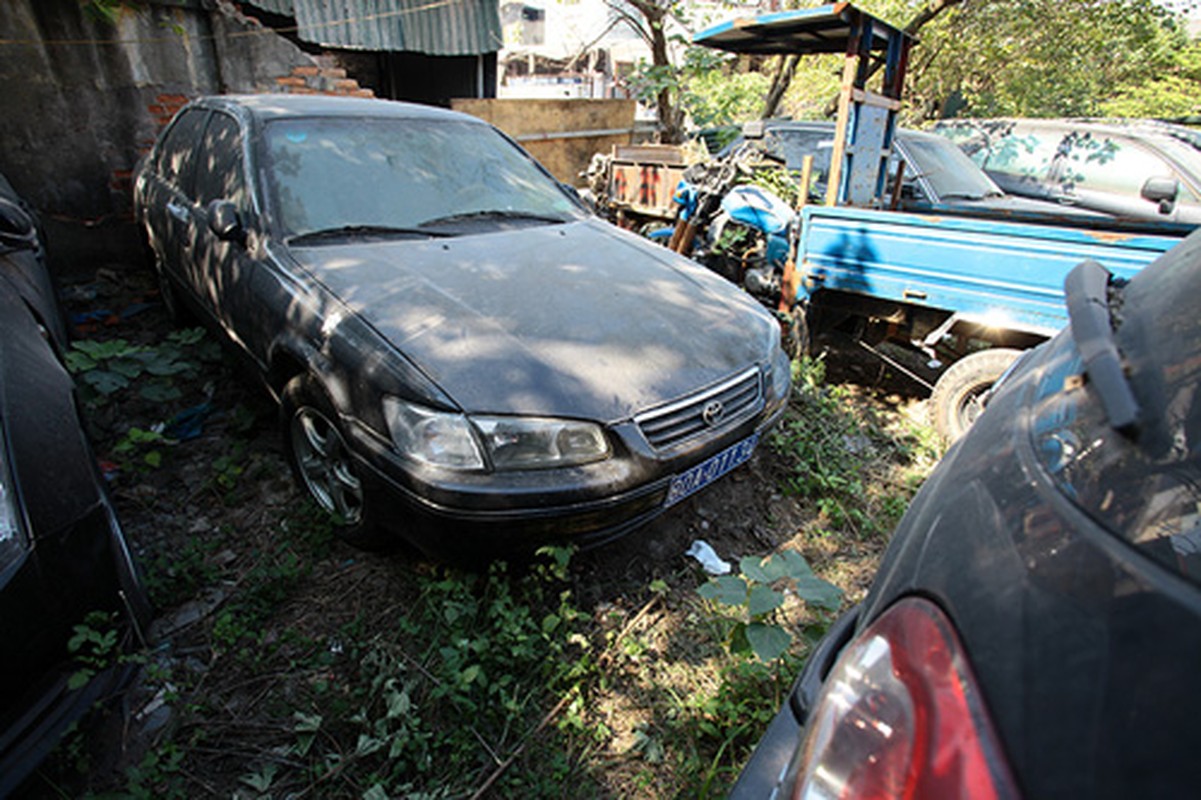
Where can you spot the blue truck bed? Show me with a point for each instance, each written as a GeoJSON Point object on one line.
{"type": "Point", "coordinates": [1005, 274]}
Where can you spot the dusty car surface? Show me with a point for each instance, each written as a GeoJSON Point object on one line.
{"type": "Point", "coordinates": [462, 353]}
{"type": "Point", "coordinates": [63, 556]}
{"type": "Point", "coordinates": [1137, 169]}
{"type": "Point", "coordinates": [1035, 625]}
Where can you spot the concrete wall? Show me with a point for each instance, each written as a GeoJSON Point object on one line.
{"type": "Point", "coordinates": [562, 134]}
{"type": "Point", "coordinates": [84, 98]}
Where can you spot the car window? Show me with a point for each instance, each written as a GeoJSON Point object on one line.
{"type": "Point", "coordinates": [219, 174]}
{"type": "Point", "coordinates": [1110, 164]}
{"type": "Point", "coordinates": [1026, 154]}
{"type": "Point", "coordinates": [1145, 487]}
{"type": "Point", "coordinates": [793, 145]}
{"type": "Point", "coordinates": [177, 157]}
{"type": "Point", "coordinates": [947, 168]}
{"type": "Point", "coordinates": [327, 173]}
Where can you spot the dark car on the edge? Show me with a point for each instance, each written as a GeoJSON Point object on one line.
{"type": "Point", "coordinates": [1035, 625]}
{"type": "Point", "coordinates": [63, 557]}
{"type": "Point", "coordinates": [464, 355]}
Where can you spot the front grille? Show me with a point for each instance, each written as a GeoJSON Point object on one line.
{"type": "Point", "coordinates": [669, 425]}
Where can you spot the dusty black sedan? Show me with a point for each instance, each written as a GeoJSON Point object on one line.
{"type": "Point", "coordinates": [64, 561]}
{"type": "Point", "coordinates": [462, 353]}
{"type": "Point", "coordinates": [1035, 626]}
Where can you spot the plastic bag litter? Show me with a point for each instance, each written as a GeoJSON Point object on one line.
{"type": "Point", "coordinates": [704, 553]}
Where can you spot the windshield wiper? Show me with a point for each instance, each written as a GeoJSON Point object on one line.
{"type": "Point", "coordinates": [1087, 289]}
{"type": "Point", "coordinates": [346, 231]}
{"type": "Point", "coordinates": [498, 213]}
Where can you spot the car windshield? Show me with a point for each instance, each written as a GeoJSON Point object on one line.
{"type": "Point", "coordinates": [1143, 485]}
{"type": "Point", "coordinates": [378, 175]}
{"type": "Point", "coordinates": [948, 169]}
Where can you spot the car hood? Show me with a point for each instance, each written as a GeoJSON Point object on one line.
{"type": "Point", "coordinates": [578, 320]}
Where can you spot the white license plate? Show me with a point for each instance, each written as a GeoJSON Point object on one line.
{"type": "Point", "coordinates": [710, 470]}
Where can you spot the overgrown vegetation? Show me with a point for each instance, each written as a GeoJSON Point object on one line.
{"type": "Point", "coordinates": [289, 665]}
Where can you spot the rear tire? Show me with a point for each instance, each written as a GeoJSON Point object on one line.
{"type": "Point", "coordinates": [323, 465]}
{"type": "Point", "coordinates": [959, 395]}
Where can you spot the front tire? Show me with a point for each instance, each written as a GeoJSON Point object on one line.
{"type": "Point", "coordinates": [959, 395]}
{"type": "Point", "coordinates": [323, 465]}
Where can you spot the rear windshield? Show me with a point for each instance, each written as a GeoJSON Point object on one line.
{"type": "Point", "coordinates": [1144, 487]}
{"type": "Point", "coordinates": [327, 173]}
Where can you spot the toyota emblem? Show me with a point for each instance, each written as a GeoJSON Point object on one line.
{"type": "Point", "coordinates": [713, 413]}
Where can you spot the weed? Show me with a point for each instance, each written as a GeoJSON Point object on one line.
{"type": "Point", "coordinates": [840, 457]}
{"type": "Point", "coordinates": [755, 600]}
{"type": "Point", "coordinates": [105, 368]}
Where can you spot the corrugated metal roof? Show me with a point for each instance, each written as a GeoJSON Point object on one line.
{"type": "Point", "coordinates": [433, 27]}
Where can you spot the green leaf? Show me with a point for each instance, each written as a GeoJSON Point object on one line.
{"type": "Point", "coordinates": [768, 641]}
{"type": "Point", "coordinates": [126, 368]}
{"type": "Point", "coordinates": [794, 565]}
{"type": "Point", "coordinates": [740, 645]}
{"type": "Point", "coordinates": [729, 590]}
{"type": "Point", "coordinates": [154, 459]}
{"type": "Point", "coordinates": [763, 600]}
{"type": "Point", "coordinates": [818, 592]}
{"type": "Point", "coordinates": [399, 704]}
{"type": "Point", "coordinates": [80, 679]}
{"type": "Point", "coordinates": [159, 392]}
{"type": "Point", "coordinates": [306, 723]}
{"type": "Point", "coordinates": [367, 745]}
{"type": "Point", "coordinates": [376, 792]}
{"type": "Point", "coordinates": [104, 381]}
{"type": "Point", "coordinates": [469, 675]}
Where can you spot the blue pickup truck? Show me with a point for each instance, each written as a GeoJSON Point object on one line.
{"type": "Point", "coordinates": [970, 292]}
{"type": "Point", "coordinates": [969, 288]}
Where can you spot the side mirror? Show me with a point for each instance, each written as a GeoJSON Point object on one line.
{"type": "Point", "coordinates": [225, 222]}
{"type": "Point", "coordinates": [1161, 190]}
{"type": "Point", "coordinates": [17, 228]}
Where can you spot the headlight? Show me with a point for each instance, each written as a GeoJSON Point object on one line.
{"type": "Point", "coordinates": [523, 443]}
{"type": "Point", "coordinates": [452, 441]}
{"type": "Point", "coordinates": [781, 374]}
{"type": "Point", "coordinates": [433, 437]}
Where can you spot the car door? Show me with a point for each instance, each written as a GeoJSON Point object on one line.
{"type": "Point", "coordinates": [221, 269]}
{"type": "Point", "coordinates": [169, 192]}
{"type": "Point", "coordinates": [1107, 173]}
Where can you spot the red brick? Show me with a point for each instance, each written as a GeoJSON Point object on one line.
{"type": "Point", "coordinates": [308, 72]}
{"type": "Point", "coordinates": [345, 85]}
{"type": "Point", "coordinates": [333, 72]}
{"type": "Point", "coordinates": [173, 99]}
{"type": "Point", "coordinates": [363, 93]}
{"type": "Point", "coordinates": [290, 80]}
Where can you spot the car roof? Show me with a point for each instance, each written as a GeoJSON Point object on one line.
{"type": "Point", "coordinates": [828, 125]}
{"type": "Point", "coordinates": [1147, 129]}
{"type": "Point", "coordinates": [267, 107]}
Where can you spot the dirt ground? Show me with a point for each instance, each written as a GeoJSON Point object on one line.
{"type": "Point", "coordinates": [226, 482]}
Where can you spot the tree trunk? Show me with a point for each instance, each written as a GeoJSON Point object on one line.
{"type": "Point", "coordinates": [779, 85]}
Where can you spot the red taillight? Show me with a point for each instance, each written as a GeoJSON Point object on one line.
{"type": "Point", "coordinates": [900, 717]}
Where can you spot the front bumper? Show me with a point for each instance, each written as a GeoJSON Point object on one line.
{"type": "Point", "coordinates": [454, 516]}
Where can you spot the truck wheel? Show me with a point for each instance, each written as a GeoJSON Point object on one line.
{"type": "Point", "coordinates": [322, 463]}
{"type": "Point", "coordinates": [958, 396]}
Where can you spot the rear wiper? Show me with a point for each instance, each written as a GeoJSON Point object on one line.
{"type": "Point", "coordinates": [1087, 288]}
{"type": "Point", "coordinates": [491, 214]}
{"type": "Point", "coordinates": [345, 231]}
